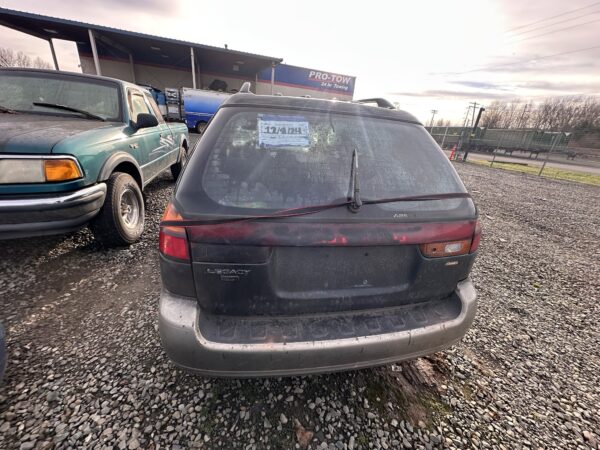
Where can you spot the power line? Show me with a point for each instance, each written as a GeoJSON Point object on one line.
{"type": "Point", "coordinates": [555, 23]}
{"type": "Point", "coordinates": [539, 35]}
{"type": "Point", "coordinates": [556, 31]}
{"type": "Point", "coordinates": [552, 17]}
{"type": "Point", "coordinates": [521, 61]}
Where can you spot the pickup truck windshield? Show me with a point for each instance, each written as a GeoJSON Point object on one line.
{"type": "Point", "coordinates": [20, 92]}
{"type": "Point", "coordinates": [290, 159]}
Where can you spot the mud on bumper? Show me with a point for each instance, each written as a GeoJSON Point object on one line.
{"type": "Point", "coordinates": [278, 346]}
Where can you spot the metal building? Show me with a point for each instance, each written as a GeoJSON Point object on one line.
{"type": "Point", "coordinates": [142, 58]}
{"type": "Point", "coordinates": [163, 62]}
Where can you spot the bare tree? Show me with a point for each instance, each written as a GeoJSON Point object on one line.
{"type": "Point", "coordinates": [40, 63]}
{"type": "Point", "coordinates": [492, 117]}
{"type": "Point", "coordinates": [551, 114]}
{"type": "Point", "coordinates": [8, 58]}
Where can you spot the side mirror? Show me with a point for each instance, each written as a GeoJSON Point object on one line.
{"type": "Point", "coordinates": [145, 120]}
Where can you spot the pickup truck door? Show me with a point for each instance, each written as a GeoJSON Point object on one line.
{"type": "Point", "coordinates": [169, 152]}
{"type": "Point", "coordinates": [155, 146]}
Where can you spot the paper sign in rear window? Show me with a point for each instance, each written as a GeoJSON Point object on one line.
{"type": "Point", "coordinates": [282, 131]}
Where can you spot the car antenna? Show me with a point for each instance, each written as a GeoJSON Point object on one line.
{"type": "Point", "coordinates": [355, 201]}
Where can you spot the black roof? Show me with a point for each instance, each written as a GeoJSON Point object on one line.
{"type": "Point", "coordinates": [320, 105]}
{"type": "Point", "coordinates": [144, 47]}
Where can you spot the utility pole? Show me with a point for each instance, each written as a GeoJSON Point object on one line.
{"type": "Point", "coordinates": [475, 104]}
{"type": "Point", "coordinates": [462, 131]}
{"type": "Point", "coordinates": [467, 116]}
{"type": "Point", "coordinates": [474, 130]}
{"type": "Point", "coordinates": [433, 113]}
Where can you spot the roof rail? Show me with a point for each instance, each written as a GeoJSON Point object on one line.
{"type": "Point", "coordinates": [245, 89]}
{"type": "Point", "coordinates": [381, 102]}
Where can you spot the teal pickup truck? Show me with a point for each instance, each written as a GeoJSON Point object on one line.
{"type": "Point", "coordinates": [79, 149]}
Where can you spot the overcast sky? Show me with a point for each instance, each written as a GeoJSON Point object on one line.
{"type": "Point", "coordinates": [430, 54]}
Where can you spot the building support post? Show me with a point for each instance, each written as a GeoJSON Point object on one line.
{"type": "Point", "coordinates": [94, 52]}
{"type": "Point", "coordinates": [131, 67]}
{"type": "Point", "coordinates": [272, 78]}
{"type": "Point", "coordinates": [53, 54]}
{"type": "Point", "coordinates": [192, 58]}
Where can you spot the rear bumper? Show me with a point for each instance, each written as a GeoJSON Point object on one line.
{"type": "Point", "coordinates": [185, 333]}
{"type": "Point", "coordinates": [37, 215]}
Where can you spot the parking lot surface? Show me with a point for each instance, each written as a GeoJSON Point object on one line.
{"type": "Point", "coordinates": [86, 368]}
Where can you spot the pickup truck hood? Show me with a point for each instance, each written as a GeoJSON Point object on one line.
{"type": "Point", "coordinates": [31, 133]}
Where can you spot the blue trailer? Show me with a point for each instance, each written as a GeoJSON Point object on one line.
{"type": "Point", "coordinates": [198, 106]}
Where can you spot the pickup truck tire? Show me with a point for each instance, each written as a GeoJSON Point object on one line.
{"type": "Point", "coordinates": [120, 222]}
{"type": "Point", "coordinates": [179, 165]}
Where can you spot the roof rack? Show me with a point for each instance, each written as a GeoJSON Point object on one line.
{"type": "Point", "coordinates": [381, 102]}
{"type": "Point", "coordinates": [245, 89]}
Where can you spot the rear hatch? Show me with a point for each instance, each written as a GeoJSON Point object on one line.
{"type": "Point", "coordinates": [255, 162]}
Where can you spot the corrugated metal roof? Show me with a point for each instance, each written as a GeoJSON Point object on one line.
{"type": "Point", "coordinates": [47, 27]}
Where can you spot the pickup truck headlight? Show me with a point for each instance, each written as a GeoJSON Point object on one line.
{"type": "Point", "coordinates": [33, 170]}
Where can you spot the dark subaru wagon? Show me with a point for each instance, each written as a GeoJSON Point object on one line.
{"type": "Point", "coordinates": [309, 236]}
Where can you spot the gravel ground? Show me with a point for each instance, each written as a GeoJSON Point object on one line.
{"type": "Point", "coordinates": [86, 368]}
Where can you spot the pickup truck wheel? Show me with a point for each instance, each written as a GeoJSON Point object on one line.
{"type": "Point", "coordinates": [179, 165]}
{"type": "Point", "coordinates": [121, 220]}
{"type": "Point", "coordinates": [200, 127]}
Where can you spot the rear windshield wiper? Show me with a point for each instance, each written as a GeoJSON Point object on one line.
{"type": "Point", "coordinates": [355, 201]}
{"type": "Point", "coordinates": [4, 109]}
{"type": "Point", "coordinates": [313, 209]}
{"type": "Point", "coordinates": [70, 108]}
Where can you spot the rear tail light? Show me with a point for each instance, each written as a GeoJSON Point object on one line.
{"type": "Point", "coordinates": [282, 233]}
{"type": "Point", "coordinates": [436, 240]}
{"type": "Point", "coordinates": [172, 240]}
{"type": "Point", "coordinates": [476, 237]}
{"type": "Point", "coordinates": [453, 248]}
{"type": "Point", "coordinates": [442, 249]}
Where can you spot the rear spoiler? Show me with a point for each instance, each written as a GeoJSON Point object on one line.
{"type": "Point", "coordinates": [380, 102]}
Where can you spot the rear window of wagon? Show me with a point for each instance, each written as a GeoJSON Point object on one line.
{"type": "Point", "coordinates": [277, 159]}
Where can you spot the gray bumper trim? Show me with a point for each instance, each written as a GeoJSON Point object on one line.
{"type": "Point", "coordinates": [188, 348]}
{"type": "Point", "coordinates": [50, 201]}
{"type": "Point", "coordinates": [50, 213]}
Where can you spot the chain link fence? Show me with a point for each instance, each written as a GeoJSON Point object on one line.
{"type": "Point", "coordinates": [581, 145]}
